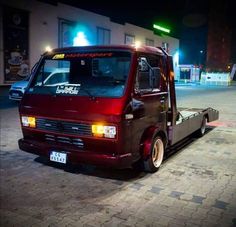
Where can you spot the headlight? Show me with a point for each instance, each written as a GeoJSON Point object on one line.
{"type": "Point", "coordinates": [104, 131]}
{"type": "Point", "coordinates": [28, 121]}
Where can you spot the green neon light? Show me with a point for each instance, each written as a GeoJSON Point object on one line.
{"type": "Point", "coordinates": [158, 27]}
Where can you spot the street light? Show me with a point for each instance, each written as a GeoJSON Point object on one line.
{"type": "Point", "coordinates": [200, 58]}
{"type": "Point", "coordinates": [80, 39]}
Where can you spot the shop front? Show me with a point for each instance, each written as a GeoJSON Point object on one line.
{"type": "Point", "coordinates": [189, 73]}
{"type": "Point", "coordinates": [16, 44]}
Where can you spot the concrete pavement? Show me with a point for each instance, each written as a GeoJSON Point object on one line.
{"type": "Point", "coordinates": [195, 186]}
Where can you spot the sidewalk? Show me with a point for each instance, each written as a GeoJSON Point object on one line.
{"type": "Point", "coordinates": [186, 84]}
{"type": "Point", "coordinates": [233, 83]}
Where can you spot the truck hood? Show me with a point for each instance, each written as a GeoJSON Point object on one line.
{"type": "Point", "coordinates": [79, 108]}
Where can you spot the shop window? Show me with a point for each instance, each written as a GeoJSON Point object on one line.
{"type": "Point", "coordinates": [16, 44]}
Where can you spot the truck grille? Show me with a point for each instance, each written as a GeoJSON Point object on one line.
{"type": "Point", "coordinates": [63, 127]}
{"type": "Point", "coordinates": [62, 139]}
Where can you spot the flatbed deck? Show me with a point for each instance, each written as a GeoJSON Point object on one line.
{"type": "Point", "coordinates": [189, 121]}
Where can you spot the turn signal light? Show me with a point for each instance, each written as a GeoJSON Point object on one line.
{"type": "Point", "coordinates": [104, 131]}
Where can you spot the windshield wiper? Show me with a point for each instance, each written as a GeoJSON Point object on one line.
{"type": "Point", "coordinates": [118, 82]}
{"type": "Point", "coordinates": [91, 96]}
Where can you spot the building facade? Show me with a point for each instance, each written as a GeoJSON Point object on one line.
{"type": "Point", "coordinates": [29, 28]}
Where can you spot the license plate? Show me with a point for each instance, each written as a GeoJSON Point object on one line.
{"type": "Point", "coordinates": [15, 94]}
{"type": "Point", "coordinates": [58, 157]}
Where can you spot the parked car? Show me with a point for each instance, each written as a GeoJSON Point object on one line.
{"type": "Point", "coordinates": [53, 77]}
{"type": "Point", "coordinates": [17, 89]}
{"type": "Point", "coordinates": [57, 77]}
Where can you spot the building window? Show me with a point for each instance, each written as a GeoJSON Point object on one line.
{"type": "Point", "coordinates": [66, 29]}
{"type": "Point", "coordinates": [129, 39]}
{"type": "Point", "coordinates": [149, 42]}
{"type": "Point", "coordinates": [103, 36]}
{"type": "Point", "coordinates": [165, 46]}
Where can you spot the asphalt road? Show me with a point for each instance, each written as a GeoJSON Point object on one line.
{"type": "Point", "coordinates": [195, 186]}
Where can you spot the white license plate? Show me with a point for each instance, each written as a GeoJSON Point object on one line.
{"type": "Point", "coordinates": [58, 157]}
{"type": "Point", "coordinates": [15, 94]}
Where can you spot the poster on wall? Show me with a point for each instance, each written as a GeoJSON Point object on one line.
{"type": "Point", "coordinates": [16, 44]}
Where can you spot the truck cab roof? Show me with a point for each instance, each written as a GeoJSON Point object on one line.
{"type": "Point", "coordinates": [132, 48]}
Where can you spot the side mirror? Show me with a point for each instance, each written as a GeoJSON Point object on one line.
{"type": "Point", "coordinates": [143, 65]}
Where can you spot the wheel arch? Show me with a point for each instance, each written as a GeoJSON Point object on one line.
{"type": "Point", "coordinates": [147, 140]}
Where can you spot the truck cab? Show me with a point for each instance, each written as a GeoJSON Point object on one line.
{"type": "Point", "coordinates": [107, 105]}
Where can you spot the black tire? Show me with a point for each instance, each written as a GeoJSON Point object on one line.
{"type": "Point", "coordinates": [201, 131]}
{"type": "Point", "coordinates": [155, 158]}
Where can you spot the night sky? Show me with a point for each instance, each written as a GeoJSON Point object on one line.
{"type": "Point", "coordinates": [173, 13]}
{"type": "Point", "coordinates": [141, 14]}
{"type": "Point", "coordinates": [187, 19]}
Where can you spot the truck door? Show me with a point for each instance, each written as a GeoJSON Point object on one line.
{"type": "Point", "coordinates": [150, 98]}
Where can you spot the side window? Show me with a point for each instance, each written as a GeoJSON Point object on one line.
{"type": "Point", "coordinates": [149, 74]}
{"type": "Point", "coordinates": [143, 77]}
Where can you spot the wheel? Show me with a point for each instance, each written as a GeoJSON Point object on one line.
{"type": "Point", "coordinates": [156, 156]}
{"type": "Point", "coordinates": [201, 131]}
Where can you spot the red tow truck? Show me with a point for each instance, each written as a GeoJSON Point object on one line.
{"type": "Point", "coordinates": [106, 105]}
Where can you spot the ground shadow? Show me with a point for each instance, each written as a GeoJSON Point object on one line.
{"type": "Point", "coordinates": [122, 175]}
{"type": "Point", "coordinates": [5, 102]}
{"type": "Point", "coordinates": [178, 147]}
{"type": "Point", "coordinates": [8, 104]}
{"type": "Point", "coordinates": [128, 174]}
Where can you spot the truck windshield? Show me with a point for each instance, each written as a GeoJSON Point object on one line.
{"type": "Point", "coordinates": [98, 74]}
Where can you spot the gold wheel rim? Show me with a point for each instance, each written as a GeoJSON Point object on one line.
{"type": "Point", "coordinates": [157, 153]}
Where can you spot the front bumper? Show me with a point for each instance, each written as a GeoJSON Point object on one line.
{"type": "Point", "coordinates": [76, 156]}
